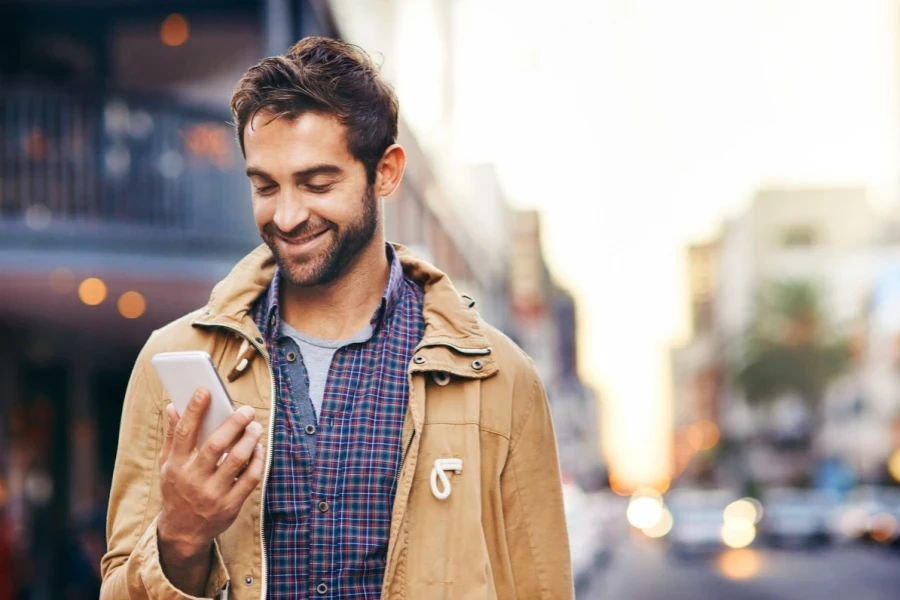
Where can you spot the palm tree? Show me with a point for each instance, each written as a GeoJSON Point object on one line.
{"type": "Point", "coordinates": [790, 347]}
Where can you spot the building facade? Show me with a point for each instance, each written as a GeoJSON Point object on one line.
{"type": "Point", "coordinates": [833, 239]}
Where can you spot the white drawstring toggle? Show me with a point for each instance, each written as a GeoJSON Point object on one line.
{"type": "Point", "coordinates": [438, 472]}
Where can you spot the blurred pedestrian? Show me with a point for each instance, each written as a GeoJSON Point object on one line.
{"type": "Point", "coordinates": [389, 443]}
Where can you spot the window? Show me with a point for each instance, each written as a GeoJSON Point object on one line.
{"type": "Point", "coordinates": [799, 237]}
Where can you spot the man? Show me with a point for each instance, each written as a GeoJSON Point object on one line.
{"type": "Point", "coordinates": [387, 443]}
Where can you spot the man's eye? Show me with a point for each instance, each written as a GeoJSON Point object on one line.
{"type": "Point", "coordinates": [266, 190]}
{"type": "Point", "coordinates": [318, 189]}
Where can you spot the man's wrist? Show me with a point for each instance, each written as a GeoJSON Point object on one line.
{"type": "Point", "coordinates": [186, 564]}
{"type": "Point", "coordinates": [176, 549]}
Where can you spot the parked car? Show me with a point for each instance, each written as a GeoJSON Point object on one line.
{"type": "Point", "coordinates": [795, 518]}
{"type": "Point", "coordinates": [871, 512]}
{"type": "Point", "coordinates": [697, 520]}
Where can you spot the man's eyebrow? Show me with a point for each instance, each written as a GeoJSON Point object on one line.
{"type": "Point", "coordinates": [321, 169]}
{"type": "Point", "coordinates": [302, 175]}
{"type": "Point", "coordinates": [254, 172]}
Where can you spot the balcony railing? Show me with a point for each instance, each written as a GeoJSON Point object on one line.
{"type": "Point", "coordinates": [117, 170]}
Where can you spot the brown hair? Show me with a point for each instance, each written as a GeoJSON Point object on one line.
{"type": "Point", "coordinates": [329, 76]}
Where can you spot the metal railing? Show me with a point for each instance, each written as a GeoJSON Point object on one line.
{"type": "Point", "coordinates": [116, 167]}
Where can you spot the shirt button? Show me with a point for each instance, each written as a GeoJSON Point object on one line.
{"type": "Point", "coordinates": [311, 429]}
{"type": "Point", "coordinates": [248, 580]}
{"type": "Point", "coordinates": [291, 356]}
{"type": "Point", "coordinates": [323, 507]}
{"type": "Point", "coordinates": [322, 589]}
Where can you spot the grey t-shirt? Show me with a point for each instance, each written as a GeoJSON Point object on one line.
{"type": "Point", "coordinates": [317, 355]}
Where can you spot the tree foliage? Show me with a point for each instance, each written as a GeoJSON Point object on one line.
{"type": "Point", "coordinates": [790, 345]}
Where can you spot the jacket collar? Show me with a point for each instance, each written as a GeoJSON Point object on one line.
{"type": "Point", "coordinates": [450, 322]}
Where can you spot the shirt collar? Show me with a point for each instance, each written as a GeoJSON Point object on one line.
{"type": "Point", "coordinates": [389, 298]}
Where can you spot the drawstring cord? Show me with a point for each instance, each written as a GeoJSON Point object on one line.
{"type": "Point", "coordinates": [438, 472]}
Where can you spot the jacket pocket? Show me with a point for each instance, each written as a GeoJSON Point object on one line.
{"type": "Point", "coordinates": [447, 551]}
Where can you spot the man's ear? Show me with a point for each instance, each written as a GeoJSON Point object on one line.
{"type": "Point", "coordinates": [390, 170]}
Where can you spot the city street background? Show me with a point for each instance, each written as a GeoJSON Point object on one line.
{"type": "Point", "coordinates": [686, 212]}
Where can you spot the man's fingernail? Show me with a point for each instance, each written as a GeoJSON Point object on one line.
{"type": "Point", "coordinates": [198, 393]}
{"type": "Point", "coordinates": [258, 449]}
{"type": "Point", "coordinates": [246, 411]}
{"type": "Point", "coordinates": [255, 427]}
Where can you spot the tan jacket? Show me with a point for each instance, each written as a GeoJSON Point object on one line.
{"type": "Point", "coordinates": [501, 534]}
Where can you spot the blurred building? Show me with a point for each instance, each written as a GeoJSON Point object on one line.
{"type": "Point", "coordinates": [545, 321]}
{"type": "Point", "coordinates": [697, 369]}
{"type": "Point", "coordinates": [834, 239]}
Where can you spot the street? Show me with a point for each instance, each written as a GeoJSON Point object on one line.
{"type": "Point", "coordinates": [641, 571]}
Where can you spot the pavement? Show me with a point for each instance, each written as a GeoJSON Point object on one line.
{"type": "Point", "coordinates": [641, 570]}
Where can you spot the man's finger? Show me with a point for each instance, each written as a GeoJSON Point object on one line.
{"type": "Point", "coordinates": [188, 427]}
{"type": "Point", "coordinates": [172, 416]}
{"type": "Point", "coordinates": [239, 455]}
{"type": "Point", "coordinates": [223, 438]}
{"type": "Point", "coordinates": [250, 478]}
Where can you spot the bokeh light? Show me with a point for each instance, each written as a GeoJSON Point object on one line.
{"type": "Point", "coordinates": [854, 523]}
{"type": "Point", "coordinates": [662, 527]}
{"type": "Point", "coordinates": [894, 465]}
{"type": "Point", "coordinates": [883, 527]}
{"type": "Point", "coordinates": [645, 509]}
{"type": "Point", "coordinates": [740, 565]}
{"type": "Point", "coordinates": [132, 305]}
{"type": "Point", "coordinates": [747, 509]}
{"type": "Point", "coordinates": [702, 435]}
{"type": "Point", "coordinates": [738, 533]}
{"type": "Point", "coordinates": [92, 291]}
{"type": "Point", "coordinates": [175, 30]}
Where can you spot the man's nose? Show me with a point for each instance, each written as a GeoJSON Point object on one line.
{"type": "Point", "coordinates": [291, 211]}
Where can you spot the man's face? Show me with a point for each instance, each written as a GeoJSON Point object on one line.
{"type": "Point", "coordinates": [311, 200]}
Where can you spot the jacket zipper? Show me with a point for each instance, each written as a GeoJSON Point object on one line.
{"type": "Point", "coordinates": [403, 459]}
{"type": "Point", "coordinates": [262, 509]}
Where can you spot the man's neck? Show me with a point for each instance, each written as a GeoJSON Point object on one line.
{"type": "Point", "coordinates": [339, 309]}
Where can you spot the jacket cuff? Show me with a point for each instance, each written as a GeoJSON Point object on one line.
{"type": "Point", "coordinates": [158, 585]}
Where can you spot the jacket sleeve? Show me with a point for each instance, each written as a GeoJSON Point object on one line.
{"type": "Point", "coordinates": [533, 509]}
{"type": "Point", "coordinates": [131, 568]}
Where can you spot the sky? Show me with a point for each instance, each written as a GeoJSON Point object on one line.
{"type": "Point", "coordinates": [636, 126]}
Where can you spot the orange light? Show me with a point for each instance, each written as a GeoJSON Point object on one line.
{"type": "Point", "coordinates": [662, 486]}
{"type": "Point", "coordinates": [894, 465]}
{"type": "Point", "coordinates": [175, 30]}
{"type": "Point", "coordinates": [883, 527]}
{"type": "Point", "coordinates": [132, 305]}
{"type": "Point", "coordinates": [710, 434]}
{"type": "Point", "coordinates": [92, 291]}
{"type": "Point", "coordinates": [618, 486]}
{"type": "Point", "coordinates": [702, 435]}
{"type": "Point", "coordinates": [62, 281]}
{"type": "Point", "coordinates": [740, 565]}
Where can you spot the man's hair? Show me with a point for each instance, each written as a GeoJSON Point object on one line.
{"type": "Point", "coordinates": [328, 76]}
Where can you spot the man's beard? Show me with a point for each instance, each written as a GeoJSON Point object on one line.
{"type": "Point", "coordinates": [330, 262]}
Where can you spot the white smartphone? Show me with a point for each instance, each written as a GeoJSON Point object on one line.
{"type": "Point", "coordinates": [181, 374]}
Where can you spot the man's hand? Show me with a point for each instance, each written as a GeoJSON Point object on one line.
{"type": "Point", "coordinates": [202, 493]}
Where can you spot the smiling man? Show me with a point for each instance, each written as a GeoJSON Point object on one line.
{"type": "Point", "coordinates": [388, 443]}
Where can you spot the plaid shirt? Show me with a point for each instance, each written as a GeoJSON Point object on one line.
{"type": "Point", "coordinates": [328, 520]}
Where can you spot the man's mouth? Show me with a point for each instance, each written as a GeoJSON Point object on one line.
{"type": "Point", "coordinates": [302, 240]}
